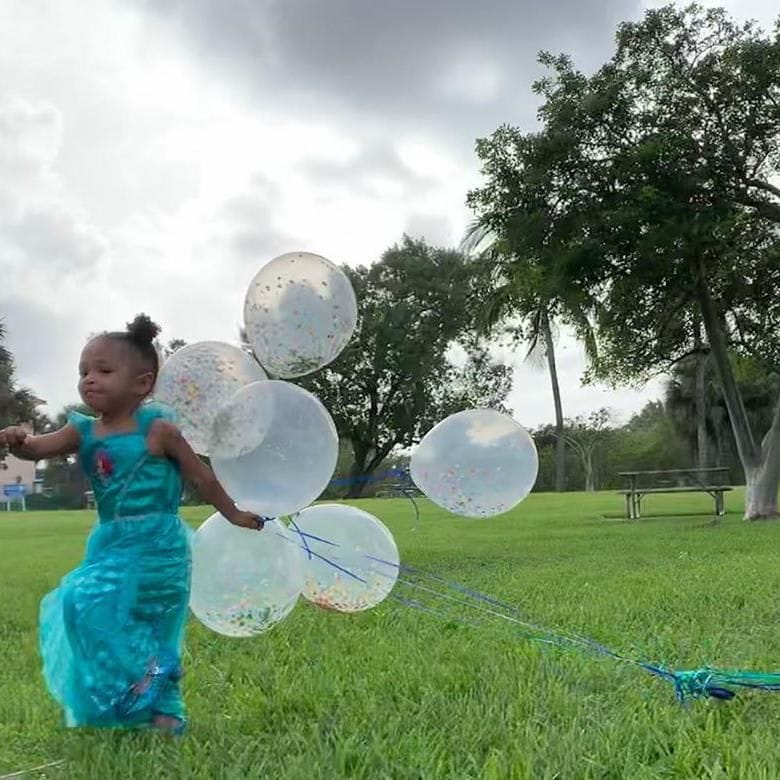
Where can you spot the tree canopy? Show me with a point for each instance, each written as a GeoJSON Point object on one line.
{"type": "Point", "coordinates": [660, 213]}
{"type": "Point", "coordinates": [397, 378]}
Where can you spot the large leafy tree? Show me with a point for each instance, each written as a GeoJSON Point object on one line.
{"type": "Point", "coordinates": [396, 379]}
{"type": "Point", "coordinates": [662, 165]}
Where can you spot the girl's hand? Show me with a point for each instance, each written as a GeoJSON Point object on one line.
{"type": "Point", "coordinates": [247, 520]}
{"type": "Point", "coordinates": [13, 437]}
{"type": "Point", "coordinates": [25, 445]}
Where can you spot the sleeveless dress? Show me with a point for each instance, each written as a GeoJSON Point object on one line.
{"type": "Point", "coordinates": [111, 634]}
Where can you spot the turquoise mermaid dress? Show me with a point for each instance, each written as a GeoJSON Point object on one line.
{"type": "Point", "coordinates": [111, 634]}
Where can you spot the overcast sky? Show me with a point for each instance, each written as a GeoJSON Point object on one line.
{"type": "Point", "coordinates": [154, 154]}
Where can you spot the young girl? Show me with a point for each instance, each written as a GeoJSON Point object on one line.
{"type": "Point", "coordinates": [111, 635]}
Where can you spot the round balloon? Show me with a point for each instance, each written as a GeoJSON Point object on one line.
{"type": "Point", "coordinates": [299, 313]}
{"type": "Point", "coordinates": [197, 380]}
{"type": "Point", "coordinates": [292, 462]}
{"type": "Point", "coordinates": [350, 558]}
{"type": "Point", "coordinates": [476, 463]}
{"type": "Point", "coordinates": [244, 581]}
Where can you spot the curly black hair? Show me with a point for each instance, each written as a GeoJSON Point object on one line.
{"type": "Point", "coordinates": [140, 336]}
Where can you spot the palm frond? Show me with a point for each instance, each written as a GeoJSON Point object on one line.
{"type": "Point", "coordinates": [5, 355]}
{"type": "Point", "coordinates": [536, 356]}
{"type": "Point", "coordinates": [497, 306]}
{"type": "Point", "coordinates": [585, 330]}
{"type": "Point", "coordinates": [539, 321]}
{"type": "Point", "coordinates": [476, 238]}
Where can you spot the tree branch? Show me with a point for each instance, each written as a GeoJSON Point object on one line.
{"type": "Point", "coordinates": [760, 184]}
{"type": "Point", "coordinates": [768, 210]}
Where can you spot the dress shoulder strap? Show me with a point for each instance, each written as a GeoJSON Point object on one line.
{"type": "Point", "coordinates": [149, 412]}
{"type": "Point", "coordinates": [83, 423]}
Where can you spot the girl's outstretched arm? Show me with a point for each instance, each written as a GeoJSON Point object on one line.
{"type": "Point", "coordinates": [24, 445]}
{"type": "Point", "coordinates": [166, 439]}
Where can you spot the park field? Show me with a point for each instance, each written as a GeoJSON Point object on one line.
{"type": "Point", "coordinates": [397, 692]}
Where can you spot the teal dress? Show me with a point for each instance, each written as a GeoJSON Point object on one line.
{"type": "Point", "coordinates": [111, 634]}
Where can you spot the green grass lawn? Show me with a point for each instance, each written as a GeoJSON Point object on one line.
{"type": "Point", "coordinates": [398, 693]}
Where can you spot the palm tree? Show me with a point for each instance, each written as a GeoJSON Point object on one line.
{"type": "Point", "coordinates": [517, 287]}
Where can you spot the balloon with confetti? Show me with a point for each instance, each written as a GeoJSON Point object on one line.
{"type": "Point", "coordinates": [197, 380]}
{"type": "Point", "coordinates": [476, 463]}
{"type": "Point", "coordinates": [244, 582]}
{"type": "Point", "coordinates": [351, 561]}
{"type": "Point", "coordinates": [294, 453]}
{"type": "Point", "coordinates": [299, 313]}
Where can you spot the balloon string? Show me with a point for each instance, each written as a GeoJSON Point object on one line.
{"type": "Point", "coordinates": [509, 612]}
{"type": "Point", "coordinates": [406, 486]}
{"type": "Point", "coordinates": [430, 610]}
{"type": "Point", "coordinates": [511, 609]}
{"type": "Point", "coordinates": [688, 683]}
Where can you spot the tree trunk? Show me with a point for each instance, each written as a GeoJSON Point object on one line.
{"type": "Point", "coordinates": [762, 482]}
{"type": "Point", "coordinates": [367, 461]}
{"type": "Point", "coordinates": [761, 464]}
{"type": "Point", "coordinates": [702, 440]}
{"type": "Point", "coordinates": [587, 462]}
{"type": "Point", "coordinates": [722, 452]}
{"type": "Point", "coordinates": [560, 441]}
{"type": "Point", "coordinates": [761, 492]}
{"type": "Point", "coordinates": [356, 473]}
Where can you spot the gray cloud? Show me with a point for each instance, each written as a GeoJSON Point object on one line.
{"type": "Point", "coordinates": [38, 229]}
{"type": "Point", "coordinates": [53, 237]}
{"type": "Point", "coordinates": [398, 61]}
{"type": "Point", "coordinates": [46, 347]}
{"type": "Point", "coordinates": [249, 222]}
{"type": "Point", "coordinates": [378, 158]}
{"type": "Point", "coordinates": [434, 229]}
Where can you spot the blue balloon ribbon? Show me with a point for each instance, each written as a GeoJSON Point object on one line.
{"type": "Point", "coordinates": [704, 682]}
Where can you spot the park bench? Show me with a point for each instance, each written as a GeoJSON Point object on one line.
{"type": "Point", "coordinates": [693, 480]}
{"type": "Point", "coordinates": [398, 490]}
{"type": "Point", "coordinates": [11, 493]}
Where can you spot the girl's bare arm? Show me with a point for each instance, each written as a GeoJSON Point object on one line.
{"type": "Point", "coordinates": [24, 445]}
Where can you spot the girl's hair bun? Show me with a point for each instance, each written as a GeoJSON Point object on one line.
{"type": "Point", "coordinates": [142, 330]}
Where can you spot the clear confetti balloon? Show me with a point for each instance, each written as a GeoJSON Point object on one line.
{"type": "Point", "coordinates": [476, 463]}
{"type": "Point", "coordinates": [293, 463]}
{"type": "Point", "coordinates": [299, 313]}
{"type": "Point", "coordinates": [356, 568]}
{"type": "Point", "coordinates": [241, 425]}
{"type": "Point", "coordinates": [244, 582]}
{"type": "Point", "coordinates": [197, 380]}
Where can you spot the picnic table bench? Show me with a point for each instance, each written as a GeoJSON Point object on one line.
{"type": "Point", "coordinates": [398, 490]}
{"type": "Point", "coordinates": [693, 480]}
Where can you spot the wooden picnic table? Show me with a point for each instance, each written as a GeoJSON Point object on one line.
{"type": "Point", "coordinates": [705, 480]}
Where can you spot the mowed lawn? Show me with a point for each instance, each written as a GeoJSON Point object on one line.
{"type": "Point", "coordinates": [399, 693]}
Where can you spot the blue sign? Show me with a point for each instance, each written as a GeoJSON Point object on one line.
{"type": "Point", "coordinates": [14, 491]}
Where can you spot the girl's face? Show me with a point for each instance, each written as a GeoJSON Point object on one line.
{"type": "Point", "coordinates": [112, 376]}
